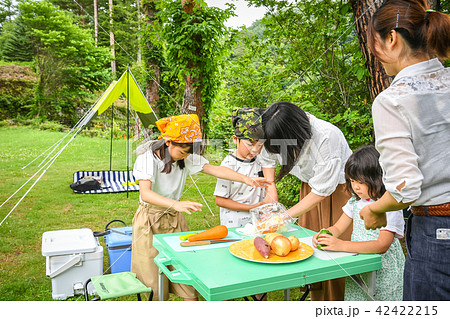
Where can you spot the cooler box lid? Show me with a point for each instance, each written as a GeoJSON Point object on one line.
{"type": "Point", "coordinates": [69, 241]}
{"type": "Point", "coordinates": [119, 237]}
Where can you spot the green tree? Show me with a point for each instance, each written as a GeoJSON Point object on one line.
{"type": "Point", "coordinates": [81, 9]}
{"type": "Point", "coordinates": [152, 52]}
{"type": "Point", "coordinates": [68, 65]}
{"type": "Point", "coordinates": [250, 79]}
{"type": "Point", "coordinates": [317, 62]}
{"type": "Point", "coordinates": [124, 27]}
{"type": "Point", "coordinates": [197, 42]}
{"type": "Point", "coordinates": [15, 45]}
{"type": "Point", "coordinates": [125, 19]}
{"type": "Point", "coordinates": [7, 11]}
{"type": "Point", "coordinates": [305, 52]}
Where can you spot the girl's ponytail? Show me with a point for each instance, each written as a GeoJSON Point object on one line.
{"type": "Point", "coordinates": [438, 33]}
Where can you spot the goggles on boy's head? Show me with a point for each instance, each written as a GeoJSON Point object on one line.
{"type": "Point", "coordinates": [247, 123]}
{"type": "Point", "coordinates": [183, 128]}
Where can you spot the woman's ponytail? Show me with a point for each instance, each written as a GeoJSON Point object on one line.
{"type": "Point", "coordinates": [425, 31]}
{"type": "Point", "coordinates": [438, 33]}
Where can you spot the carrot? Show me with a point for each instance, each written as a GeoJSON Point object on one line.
{"type": "Point", "coordinates": [217, 232]}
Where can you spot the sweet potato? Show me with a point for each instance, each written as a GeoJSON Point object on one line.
{"type": "Point", "coordinates": [262, 247]}
{"type": "Point", "coordinates": [217, 232]}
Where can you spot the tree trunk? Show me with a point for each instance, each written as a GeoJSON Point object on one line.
{"type": "Point", "coordinates": [153, 65]}
{"type": "Point", "coordinates": [111, 40]}
{"type": "Point", "coordinates": [362, 12]}
{"type": "Point", "coordinates": [192, 101]}
{"type": "Point", "coordinates": [96, 21]}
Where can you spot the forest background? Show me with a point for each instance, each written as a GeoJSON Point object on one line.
{"type": "Point", "coordinates": [58, 56]}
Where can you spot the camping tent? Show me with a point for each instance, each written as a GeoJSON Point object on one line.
{"type": "Point", "coordinates": [127, 86]}
{"type": "Point", "coordinates": [118, 181]}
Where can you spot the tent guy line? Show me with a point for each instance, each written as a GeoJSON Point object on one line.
{"type": "Point", "coordinates": [99, 104]}
{"type": "Point", "coordinates": [114, 91]}
{"type": "Point", "coordinates": [54, 146]}
{"type": "Point", "coordinates": [44, 168]}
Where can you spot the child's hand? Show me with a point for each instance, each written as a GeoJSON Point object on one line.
{"type": "Point", "coordinates": [314, 239]}
{"type": "Point", "coordinates": [256, 181]}
{"type": "Point", "coordinates": [331, 242]}
{"type": "Point", "coordinates": [256, 205]}
{"type": "Point", "coordinates": [268, 200]}
{"type": "Point", "coordinates": [187, 206]}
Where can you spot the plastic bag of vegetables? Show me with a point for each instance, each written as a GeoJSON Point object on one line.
{"type": "Point", "coordinates": [271, 218]}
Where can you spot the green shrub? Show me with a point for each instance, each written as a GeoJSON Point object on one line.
{"type": "Point", "coordinates": [13, 106]}
{"type": "Point", "coordinates": [289, 190]}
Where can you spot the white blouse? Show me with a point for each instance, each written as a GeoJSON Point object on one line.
{"type": "Point", "coordinates": [322, 159]}
{"type": "Point", "coordinates": [412, 130]}
{"type": "Point", "coordinates": [148, 167]}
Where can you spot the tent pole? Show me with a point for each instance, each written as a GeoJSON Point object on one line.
{"type": "Point", "coordinates": [128, 127]}
{"type": "Point", "coordinates": [110, 148]}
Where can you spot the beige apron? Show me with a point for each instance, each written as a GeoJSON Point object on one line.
{"type": "Point", "coordinates": [324, 215]}
{"type": "Point", "coordinates": [149, 220]}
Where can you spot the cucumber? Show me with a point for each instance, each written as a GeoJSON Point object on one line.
{"type": "Point", "coordinates": [186, 236]}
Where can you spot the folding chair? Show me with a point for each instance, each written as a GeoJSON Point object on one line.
{"type": "Point", "coordinates": [116, 285]}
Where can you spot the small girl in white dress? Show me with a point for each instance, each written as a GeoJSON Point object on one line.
{"type": "Point", "coordinates": [364, 179]}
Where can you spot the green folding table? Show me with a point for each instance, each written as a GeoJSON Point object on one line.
{"type": "Point", "coordinates": [218, 275]}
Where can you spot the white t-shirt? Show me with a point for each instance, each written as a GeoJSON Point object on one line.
{"type": "Point", "coordinates": [395, 220]}
{"type": "Point", "coordinates": [148, 167]}
{"type": "Point", "coordinates": [239, 192]}
{"type": "Point", "coordinates": [322, 159]}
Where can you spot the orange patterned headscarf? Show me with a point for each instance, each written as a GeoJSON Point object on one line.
{"type": "Point", "coordinates": [183, 128]}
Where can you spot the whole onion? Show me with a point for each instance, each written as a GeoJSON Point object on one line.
{"type": "Point", "coordinates": [295, 243]}
{"type": "Point", "coordinates": [281, 246]}
{"type": "Point", "coordinates": [270, 236]}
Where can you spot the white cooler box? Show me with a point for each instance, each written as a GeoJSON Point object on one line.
{"type": "Point", "coordinates": [72, 257]}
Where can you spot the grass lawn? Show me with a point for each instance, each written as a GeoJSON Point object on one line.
{"type": "Point", "coordinates": [52, 205]}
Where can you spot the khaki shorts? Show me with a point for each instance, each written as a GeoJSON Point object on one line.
{"type": "Point", "coordinates": [147, 221]}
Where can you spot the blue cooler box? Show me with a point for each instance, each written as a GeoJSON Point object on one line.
{"type": "Point", "coordinates": [118, 243]}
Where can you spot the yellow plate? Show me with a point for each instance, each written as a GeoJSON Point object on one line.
{"type": "Point", "coordinates": [245, 249]}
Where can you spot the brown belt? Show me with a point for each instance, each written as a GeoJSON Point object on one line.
{"type": "Point", "coordinates": [432, 210]}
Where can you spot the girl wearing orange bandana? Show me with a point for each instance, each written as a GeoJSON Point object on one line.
{"type": "Point", "coordinates": [162, 167]}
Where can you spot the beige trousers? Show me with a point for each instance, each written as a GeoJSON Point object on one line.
{"type": "Point", "coordinates": [147, 221]}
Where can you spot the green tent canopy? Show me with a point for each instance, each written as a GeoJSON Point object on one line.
{"type": "Point", "coordinates": [127, 86]}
